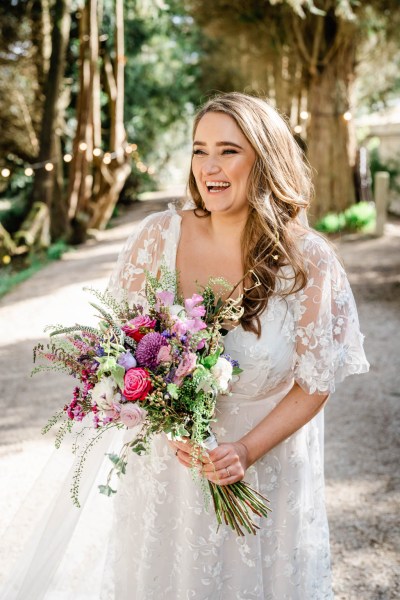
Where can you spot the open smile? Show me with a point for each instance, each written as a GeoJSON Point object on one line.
{"type": "Point", "coordinates": [217, 187]}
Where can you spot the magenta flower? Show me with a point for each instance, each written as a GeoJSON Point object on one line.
{"type": "Point", "coordinates": [134, 328]}
{"type": "Point", "coordinates": [148, 348]}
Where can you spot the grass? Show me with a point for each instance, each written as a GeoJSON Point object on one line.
{"type": "Point", "coordinates": [13, 275]}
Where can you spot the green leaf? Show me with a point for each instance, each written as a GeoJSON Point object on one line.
{"type": "Point", "coordinates": [211, 360]}
{"type": "Point", "coordinates": [118, 374]}
{"type": "Point", "coordinates": [106, 490]}
{"type": "Point", "coordinates": [237, 371]}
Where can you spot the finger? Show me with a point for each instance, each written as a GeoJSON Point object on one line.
{"type": "Point", "coordinates": [226, 461]}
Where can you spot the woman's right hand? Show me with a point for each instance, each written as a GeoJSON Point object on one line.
{"type": "Point", "coordinates": [185, 453]}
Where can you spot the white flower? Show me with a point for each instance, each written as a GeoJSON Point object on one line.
{"type": "Point", "coordinates": [104, 394]}
{"type": "Point", "coordinates": [175, 309]}
{"type": "Point", "coordinates": [222, 371]}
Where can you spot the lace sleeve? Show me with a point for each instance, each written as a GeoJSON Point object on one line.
{"type": "Point", "coordinates": [329, 344]}
{"type": "Point", "coordinates": [142, 251]}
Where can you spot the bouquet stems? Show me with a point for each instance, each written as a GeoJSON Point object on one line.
{"type": "Point", "coordinates": [234, 505]}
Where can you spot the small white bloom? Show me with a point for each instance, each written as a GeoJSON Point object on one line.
{"type": "Point", "coordinates": [222, 371]}
{"type": "Point", "coordinates": [176, 309]}
{"type": "Point", "coordinates": [104, 394]}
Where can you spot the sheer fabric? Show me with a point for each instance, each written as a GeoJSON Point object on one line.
{"type": "Point", "coordinates": [163, 540]}
{"type": "Point", "coordinates": [166, 541]}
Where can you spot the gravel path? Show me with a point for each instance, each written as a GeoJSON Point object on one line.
{"type": "Point", "coordinates": [362, 418]}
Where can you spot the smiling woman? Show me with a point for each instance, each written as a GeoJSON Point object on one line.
{"type": "Point", "coordinates": [298, 336]}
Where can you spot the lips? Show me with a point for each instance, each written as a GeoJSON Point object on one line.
{"type": "Point", "coordinates": [216, 187]}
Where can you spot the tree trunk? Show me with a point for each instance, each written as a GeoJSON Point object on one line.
{"type": "Point", "coordinates": [95, 184]}
{"type": "Point", "coordinates": [328, 140]}
{"type": "Point", "coordinates": [117, 171]}
{"type": "Point", "coordinates": [47, 186]}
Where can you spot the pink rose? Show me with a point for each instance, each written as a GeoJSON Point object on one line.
{"type": "Point", "coordinates": [132, 415]}
{"type": "Point", "coordinates": [137, 384]}
{"type": "Point", "coordinates": [138, 327]}
{"type": "Point", "coordinates": [186, 366]}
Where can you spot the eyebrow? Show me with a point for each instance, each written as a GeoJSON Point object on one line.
{"type": "Point", "coordinates": [196, 143]}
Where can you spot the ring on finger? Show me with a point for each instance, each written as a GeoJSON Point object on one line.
{"type": "Point", "coordinates": [228, 472]}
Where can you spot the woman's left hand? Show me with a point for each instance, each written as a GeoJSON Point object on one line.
{"type": "Point", "coordinates": [226, 464]}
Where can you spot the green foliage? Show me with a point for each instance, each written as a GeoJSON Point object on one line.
{"type": "Point", "coordinates": [391, 166]}
{"type": "Point", "coordinates": [357, 217]}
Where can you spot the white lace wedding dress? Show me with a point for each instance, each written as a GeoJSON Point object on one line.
{"type": "Point", "coordinates": [167, 543]}
{"type": "Point", "coordinates": [163, 542]}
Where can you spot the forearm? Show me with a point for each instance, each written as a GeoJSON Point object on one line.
{"type": "Point", "coordinates": [292, 412]}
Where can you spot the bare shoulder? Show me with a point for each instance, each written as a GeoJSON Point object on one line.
{"type": "Point", "coordinates": [192, 223]}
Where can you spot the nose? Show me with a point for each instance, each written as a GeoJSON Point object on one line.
{"type": "Point", "coordinates": [210, 166]}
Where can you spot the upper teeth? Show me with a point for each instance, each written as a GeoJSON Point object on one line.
{"type": "Point", "coordinates": [218, 183]}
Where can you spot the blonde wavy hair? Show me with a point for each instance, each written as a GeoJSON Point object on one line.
{"type": "Point", "coordinates": [279, 187]}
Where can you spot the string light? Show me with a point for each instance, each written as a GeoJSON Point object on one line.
{"type": "Point", "coordinates": [304, 115]}
{"type": "Point", "coordinates": [298, 129]}
{"type": "Point", "coordinates": [347, 116]}
{"type": "Point", "coordinates": [50, 164]}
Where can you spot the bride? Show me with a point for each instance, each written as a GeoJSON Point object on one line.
{"type": "Point", "coordinates": [299, 336]}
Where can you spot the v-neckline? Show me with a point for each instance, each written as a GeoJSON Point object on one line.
{"type": "Point", "coordinates": [178, 234]}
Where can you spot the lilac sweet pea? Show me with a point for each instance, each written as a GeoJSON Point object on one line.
{"type": "Point", "coordinates": [164, 298]}
{"type": "Point", "coordinates": [127, 361]}
{"type": "Point", "coordinates": [192, 308]}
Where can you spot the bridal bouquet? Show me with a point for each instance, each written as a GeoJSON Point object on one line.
{"type": "Point", "coordinates": [155, 370]}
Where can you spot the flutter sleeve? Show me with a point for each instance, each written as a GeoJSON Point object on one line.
{"type": "Point", "coordinates": [144, 250]}
{"type": "Point", "coordinates": [328, 341]}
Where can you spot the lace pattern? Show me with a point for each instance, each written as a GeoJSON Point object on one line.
{"type": "Point", "coordinates": [165, 540]}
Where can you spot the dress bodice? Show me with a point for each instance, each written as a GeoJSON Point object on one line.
{"type": "Point", "coordinates": [311, 336]}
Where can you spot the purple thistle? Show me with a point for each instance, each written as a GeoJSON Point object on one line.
{"type": "Point", "coordinates": [148, 349]}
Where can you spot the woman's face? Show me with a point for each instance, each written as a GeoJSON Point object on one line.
{"type": "Point", "coordinates": [221, 164]}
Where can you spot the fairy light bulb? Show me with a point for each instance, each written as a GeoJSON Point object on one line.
{"type": "Point", "coordinates": [67, 158]}
{"type": "Point", "coordinates": [134, 147]}
{"type": "Point", "coordinates": [298, 129]}
{"type": "Point", "coordinates": [128, 149]}
{"type": "Point", "coordinates": [28, 171]}
{"type": "Point", "coordinates": [49, 166]}
{"type": "Point", "coordinates": [347, 116]}
{"type": "Point", "coordinates": [107, 158]}
{"type": "Point", "coordinates": [83, 146]}
{"type": "Point", "coordinates": [304, 115]}
{"type": "Point", "coordinates": [5, 172]}
{"type": "Point", "coordinates": [97, 152]}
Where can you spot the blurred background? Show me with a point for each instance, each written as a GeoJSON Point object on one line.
{"type": "Point", "coordinates": [96, 103]}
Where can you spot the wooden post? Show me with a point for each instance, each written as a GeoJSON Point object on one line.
{"type": "Point", "coordinates": [381, 200]}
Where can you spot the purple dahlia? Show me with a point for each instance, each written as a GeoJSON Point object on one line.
{"type": "Point", "coordinates": [148, 348]}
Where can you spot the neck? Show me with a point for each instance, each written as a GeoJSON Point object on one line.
{"type": "Point", "coordinates": [228, 225]}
